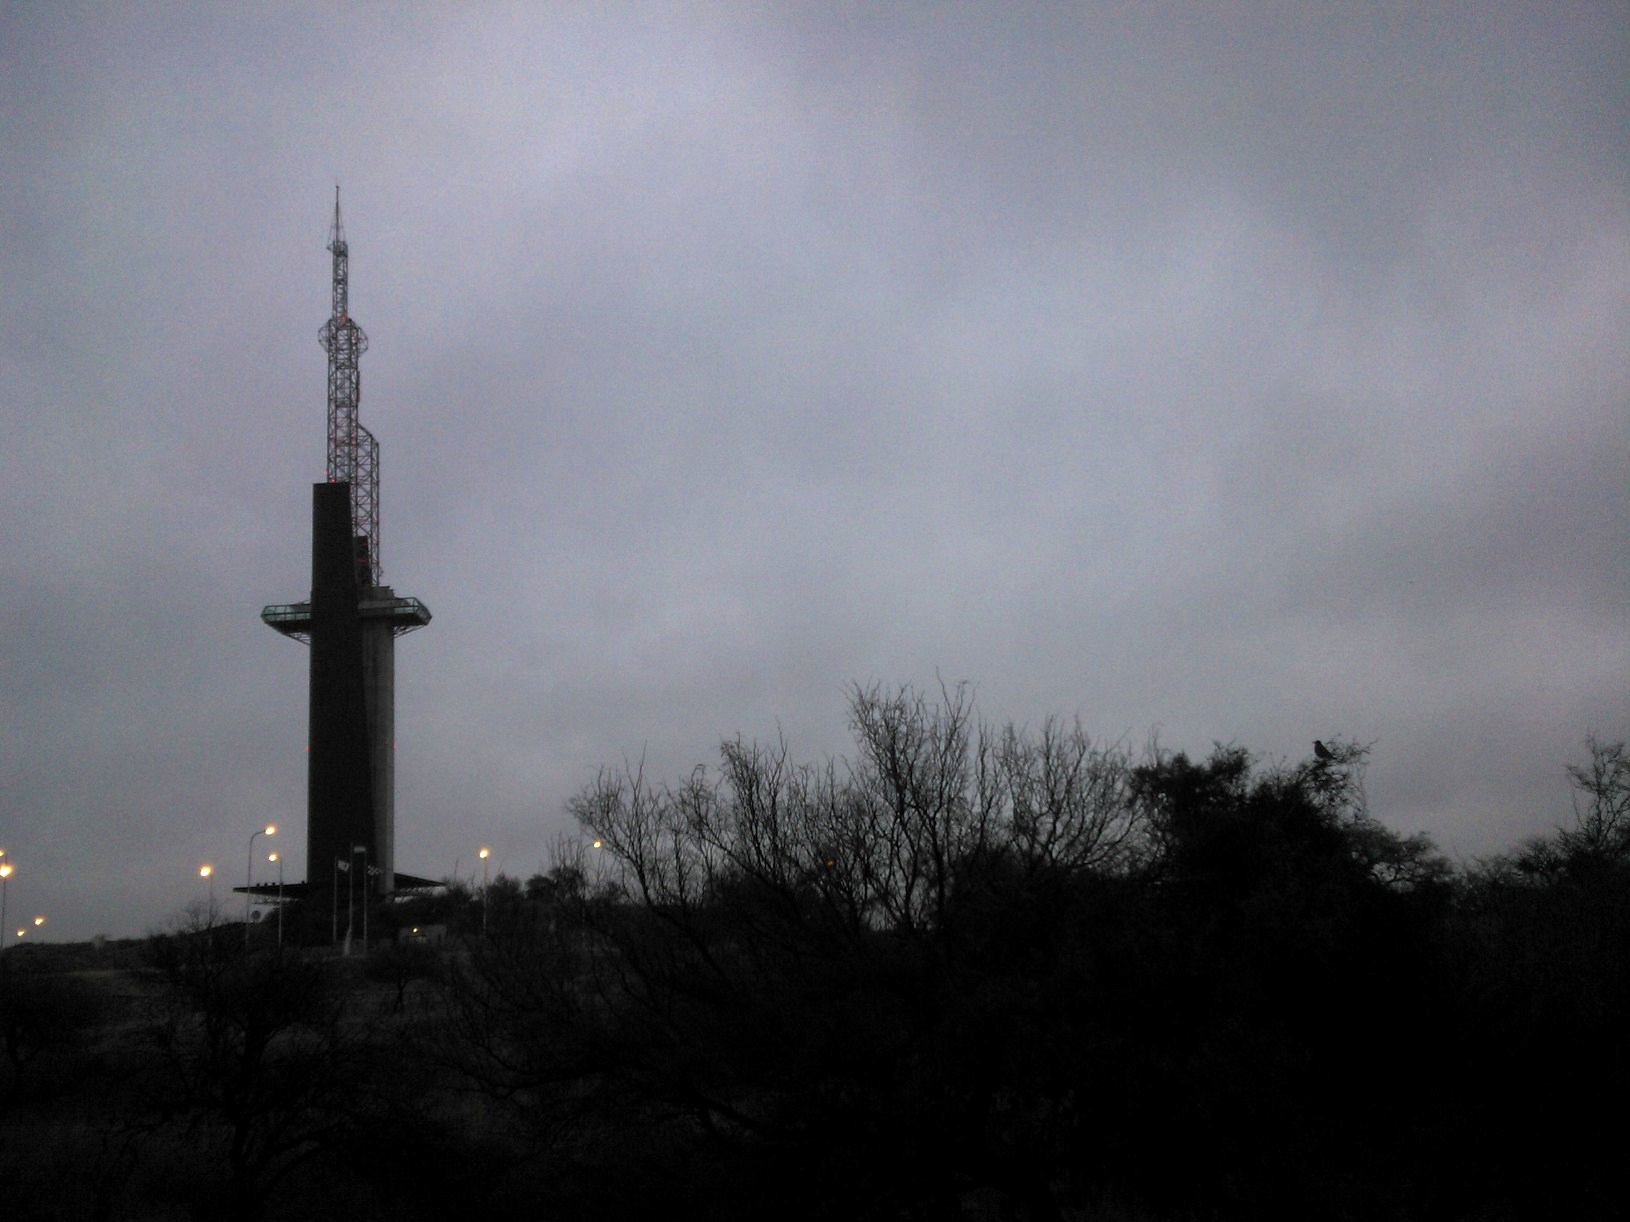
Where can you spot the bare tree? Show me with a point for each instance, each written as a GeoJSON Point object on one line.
{"type": "Point", "coordinates": [811, 952]}
{"type": "Point", "coordinates": [1601, 802]}
{"type": "Point", "coordinates": [879, 841]}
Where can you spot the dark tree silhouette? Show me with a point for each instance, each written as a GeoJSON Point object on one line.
{"type": "Point", "coordinates": [254, 1056]}
{"type": "Point", "coordinates": [969, 971]}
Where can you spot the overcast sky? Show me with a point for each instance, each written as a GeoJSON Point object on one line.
{"type": "Point", "coordinates": [1241, 372]}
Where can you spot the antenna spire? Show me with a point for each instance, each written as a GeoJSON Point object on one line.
{"type": "Point", "coordinates": [353, 454]}
{"type": "Point", "coordinates": [336, 235]}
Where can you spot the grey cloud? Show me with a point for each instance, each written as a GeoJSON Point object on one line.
{"type": "Point", "coordinates": [1255, 372]}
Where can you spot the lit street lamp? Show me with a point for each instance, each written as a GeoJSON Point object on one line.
{"type": "Point", "coordinates": [278, 858]}
{"type": "Point", "coordinates": [249, 877]}
{"type": "Point", "coordinates": [5, 873]}
{"type": "Point", "coordinates": [484, 854]}
{"type": "Point", "coordinates": [208, 871]}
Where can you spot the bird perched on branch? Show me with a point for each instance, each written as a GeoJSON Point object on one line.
{"type": "Point", "coordinates": [1320, 751]}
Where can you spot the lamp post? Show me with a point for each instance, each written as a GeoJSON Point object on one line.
{"type": "Point", "coordinates": [484, 854]}
{"type": "Point", "coordinates": [249, 877]}
{"type": "Point", "coordinates": [278, 858]}
{"type": "Point", "coordinates": [208, 871]}
{"type": "Point", "coordinates": [5, 873]}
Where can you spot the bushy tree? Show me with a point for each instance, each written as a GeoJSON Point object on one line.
{"type": "Point", "coordinates": [1542, 980]}
{"type": "Point", "coordinates": [1291, 962]}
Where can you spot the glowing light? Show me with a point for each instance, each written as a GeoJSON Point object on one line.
{"type": "Point", "coordinates": [485, 853]}
{"type": "Point", "coordinates": [205, 871]}
{"type": "Point", "coordinates": [39, 920]}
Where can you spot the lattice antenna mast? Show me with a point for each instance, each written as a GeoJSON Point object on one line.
{"type": "Point", "coordinates": [353, 453]}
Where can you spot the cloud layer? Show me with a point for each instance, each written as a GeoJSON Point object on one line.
{"type": "Point", "coordinates": [1256, 373]}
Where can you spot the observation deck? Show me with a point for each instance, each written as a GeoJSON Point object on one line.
{"type": "Point", "coordinates": [377, 603]}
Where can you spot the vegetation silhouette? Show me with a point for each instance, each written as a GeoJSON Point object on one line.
{"type": "Point", "coordinates": [970, 971]}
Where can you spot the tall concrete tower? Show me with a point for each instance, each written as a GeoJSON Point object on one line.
{"type": "Point", "coordinates": [351, 623]}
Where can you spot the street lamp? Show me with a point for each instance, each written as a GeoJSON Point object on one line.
{"type": "Point", "coordinates": [484, 854]}
{"type": "Point", "coordinates": [208, 871]}
{"type": "Point", "coordinates": [278, 858]}
{"type": "Point", "coordinates": [5, 873]}
{"type": "Point", "coordinates": [249, 877]}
